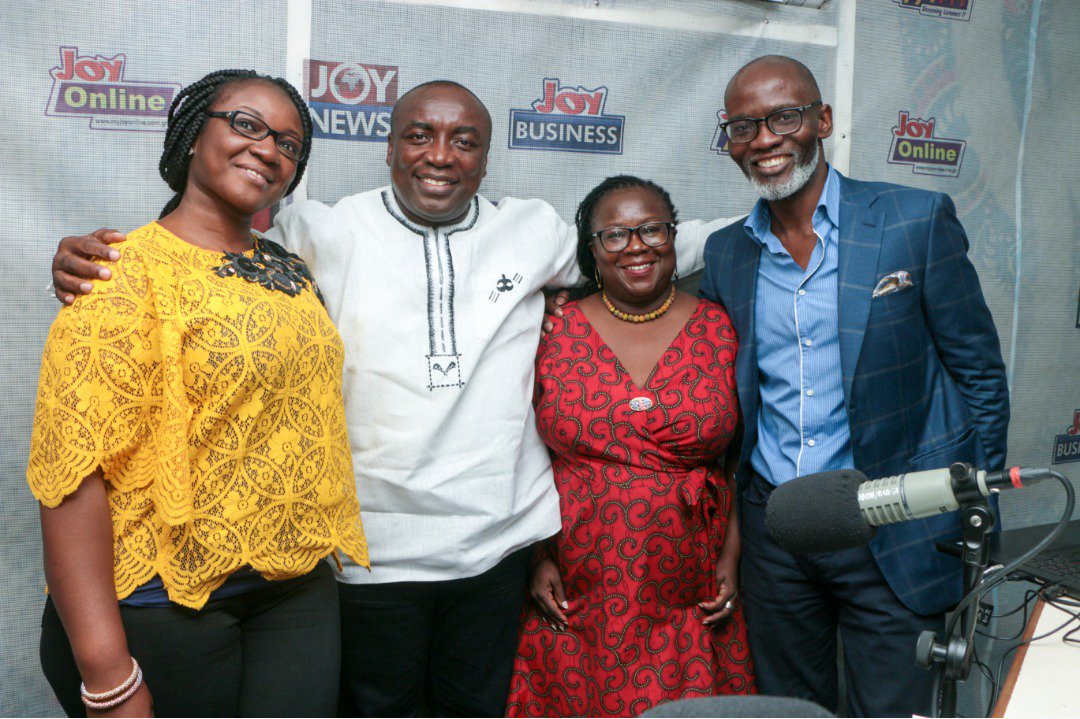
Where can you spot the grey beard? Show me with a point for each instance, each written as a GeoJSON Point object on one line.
{"type": "Point", "coordinates": [801, 174]}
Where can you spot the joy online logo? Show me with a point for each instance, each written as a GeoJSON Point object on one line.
{"type": "Point", "coordinates": [94, 87]}
{"type": "Point", "coordinates": [1067, 446]}
{"type": "Point", "coordinates": [350, 100]}
{"type": "Point", "coordinates": [952, 9]}
{"type": "Point", "coordinates": [720, 139]}
{"type": "Point", "coordinates": [914, 144]}
{"type": "Point", "coordinates": [567, 119]}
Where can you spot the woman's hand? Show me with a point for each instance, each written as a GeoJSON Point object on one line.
{"type": "Point", "coordinates": [727, 584]}
{"type": "Point", "coordinates": [72, 268]}
{"type": "Point", "coordinates": [140, 704]}
{"type": "Point", "coordinates": [546, 589]}
{"type": "Point", "coordinates": [727, 571]}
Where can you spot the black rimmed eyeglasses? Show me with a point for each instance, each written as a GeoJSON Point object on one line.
{"type": "Point", "coordinates": [653, 234]}
{"type": "Point", "coordinates": [781, 122]}
{"type": "Point", "coordinates": [246, 124]}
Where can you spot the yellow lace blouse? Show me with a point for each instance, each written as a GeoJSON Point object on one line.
{"type": "Point", "coordinates": [213, 405]}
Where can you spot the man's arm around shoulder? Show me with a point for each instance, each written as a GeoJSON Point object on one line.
{"type": "Point", "coordinates": [718, 258]}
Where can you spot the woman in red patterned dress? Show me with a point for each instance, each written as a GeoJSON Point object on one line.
{"type": "Point", "coordinates": [635, 600]}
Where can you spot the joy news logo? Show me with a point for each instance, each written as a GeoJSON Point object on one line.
{"type": "Point", "coordinates": [567, 119]}
{"type": "Point", "coordinates": [93, 87]}
{"type": "Point", "coordinates": [952, 9]}
{"type": "Point", "coordinates": [720, 139]}
{"type": "Point", "coordinates": [351, 100]}
{"type": "Point", "coordinates": [914, 143]}
{"type": "Point", "coordinates": [1067, 446]}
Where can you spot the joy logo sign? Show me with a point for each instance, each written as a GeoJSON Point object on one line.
{"type": "Point", "coordinates": [570, 101]}
{"type": "Point", "coordinates": [1067, 446]}
{"type": "Point", "coordinates": [567, 119]}
{"type": "Point", "coordinates": [351, 100]}
{"type": "Point", "coordinates": [92, 69]}
{"type": "Point", "coordinates": [914, 144]}
{"type": "Point", "coordinates": [94, 87]}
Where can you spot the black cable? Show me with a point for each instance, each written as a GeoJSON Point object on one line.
{"type": "Point", "coordinates": [1069, 607]}
{"type": "Point", "coordinates": [989, 677]}
{"type": "Point", "coordinates": [1075, 616]}
{"type": "Point", "coordinates": [1029, 596]}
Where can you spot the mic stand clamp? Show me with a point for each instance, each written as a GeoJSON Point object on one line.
{"type": "Point", "coordinates": [952, 657]}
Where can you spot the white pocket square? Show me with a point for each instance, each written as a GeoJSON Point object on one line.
{"type": "Point", "coordinates": [892, 282]}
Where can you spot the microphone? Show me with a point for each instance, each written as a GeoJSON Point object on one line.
{"type": "Point", "coordinates": [835, 510]}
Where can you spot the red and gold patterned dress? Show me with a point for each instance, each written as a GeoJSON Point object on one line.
{"type": "Point", "coordinates": [644, 510]}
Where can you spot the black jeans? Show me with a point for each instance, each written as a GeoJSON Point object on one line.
{"type": "Point", "coordinates": [795, 605]}
{"type": "Point", "coordinates": [273, 651]}
{"type": "Point", "coordinates": [432, 648]}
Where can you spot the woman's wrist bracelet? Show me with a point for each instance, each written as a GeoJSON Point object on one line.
{"type": "Point", "coordinates": [135, 676]}
{"type": "Point", "coordinates": [127, 694]}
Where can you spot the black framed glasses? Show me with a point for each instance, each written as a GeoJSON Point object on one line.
{"type": "Point", "coordinates": [248, 125]}
{"type": "Point", "coordinates": [653, 234]}
{"type": "Point", "coordinates": [781, 122]}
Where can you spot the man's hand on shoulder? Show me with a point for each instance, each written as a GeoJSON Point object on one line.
{"type": "Point", "coordinates": [73, 266]}
{"type": "Point", "coordinates": [553, 308]}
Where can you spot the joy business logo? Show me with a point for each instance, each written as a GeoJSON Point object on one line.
{"type": "Point", "coordinates": [93, 87]}
{"type": "Point", "coordinates": [567, 119]}
{"type": "Point", "coordinates": [914, 143]}
{"type": "Point", "coordinates": [720, 140]}
{"type": "Point", "coordinates": [952, 9]}
{"type": "Point", "coordinates": [351, 100]}
{"type": "Point", "coordinates": [1067, 446]}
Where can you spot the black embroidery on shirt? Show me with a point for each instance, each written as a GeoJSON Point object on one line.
{"type": "Point", "coordinates": [504, 284]}
{"type": "Point", "coordinates": [444, 362]}
{"type": "Point", "coordinates": [271, 266]}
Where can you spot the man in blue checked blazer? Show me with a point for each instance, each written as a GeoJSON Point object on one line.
{"type": "Point", "coordinates": [865, 343]}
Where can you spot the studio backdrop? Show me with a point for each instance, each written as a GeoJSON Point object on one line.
{"type": "Point", "coordinates": [976, 98]}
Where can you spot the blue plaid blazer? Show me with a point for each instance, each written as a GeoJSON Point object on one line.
{"type": "Point", "coordinates": [924, 381]}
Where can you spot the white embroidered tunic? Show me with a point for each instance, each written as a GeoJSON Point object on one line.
{"type": "Point", "coordinates": [440, 327]}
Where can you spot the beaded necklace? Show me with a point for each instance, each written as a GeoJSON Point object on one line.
{"type": "Point", "coordinates": [647, 317]}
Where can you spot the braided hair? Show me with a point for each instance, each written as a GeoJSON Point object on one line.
{"type": "Point", "coordinates": [188, 114]}
{"type": "Point", "coordinates": [583, 218]}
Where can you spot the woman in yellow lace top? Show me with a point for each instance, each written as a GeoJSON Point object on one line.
{"type": "Point", "coordinates": [190, 449]}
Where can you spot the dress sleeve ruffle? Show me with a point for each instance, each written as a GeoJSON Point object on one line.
{"type": "Point", "coordinates": [111, 394]}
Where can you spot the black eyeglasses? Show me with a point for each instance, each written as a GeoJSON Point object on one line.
{"type": "Point", "coordinates": [781, 122]}
{"type": "Point", "coordinates": [246, 124]}
{"type": "Point", "coordinates": [653, 234]}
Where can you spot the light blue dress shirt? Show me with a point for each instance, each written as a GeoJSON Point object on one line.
{"type": "Point", "coordinates": [802, 425]}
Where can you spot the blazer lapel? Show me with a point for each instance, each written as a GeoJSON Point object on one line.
{"type": "Point", "coordinates": [747, 254]}
{"type": "Point", "coordinates": [861, 229]}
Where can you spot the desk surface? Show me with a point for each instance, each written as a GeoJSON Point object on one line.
{"type": "Point", "coordinates": [1044, 680]}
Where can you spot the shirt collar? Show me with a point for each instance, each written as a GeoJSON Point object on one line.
{"type": "Point", "coordinates": [759, 222]}
{"type": "Point", "coordinates": [390, 202]}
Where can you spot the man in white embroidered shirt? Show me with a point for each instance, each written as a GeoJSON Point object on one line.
{"type": "Point", "coordinates": [437, 295]}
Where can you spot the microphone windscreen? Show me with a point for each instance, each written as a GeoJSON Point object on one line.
{"type": "Point", "coordinates": [737, 706]}
{"type": "Point", "coordinates": [818, 513]}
